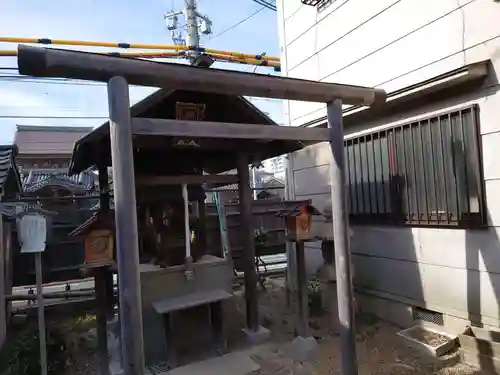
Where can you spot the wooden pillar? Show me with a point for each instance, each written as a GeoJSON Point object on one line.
{"type": "Point", "coordinates": [104, 200]}
{"type": "Point", "coordinates": [302, 295]}
{"type": "Point", "coordinates": [101, 319]}
{"type": "Point", "coordinates": [202, 223]}
{"type": "Point", "coordinates": [341, 241]}
{"type": "Point", "coordinates": [127, 239]}
{"type": "Point", "coordinates": [103, 297]}
{"type": "Point", "coordinates": [250, 274]}
{"type": "Point", "coordinates": [104, 203]}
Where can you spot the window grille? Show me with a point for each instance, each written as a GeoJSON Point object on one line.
{"type": "Point", "coordinates": [427, 172]}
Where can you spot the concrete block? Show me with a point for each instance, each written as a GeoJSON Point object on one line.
{"type": "Point", "coordinates": [257, 337]}
{"type": "Point", "coordinates": [301, 348]}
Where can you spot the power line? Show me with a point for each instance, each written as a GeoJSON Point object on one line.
{"type": "Point", "coordinates": [49, 81]}
{"type": "Point", "coordinates": [55, 117]}
{"type": "Point", "coordinates": [237, 24]}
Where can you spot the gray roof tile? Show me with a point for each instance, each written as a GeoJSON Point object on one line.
{"type": "Point", "coordinates": [36, 180]}
{"type": "Point", "coordinates": [8, 164]}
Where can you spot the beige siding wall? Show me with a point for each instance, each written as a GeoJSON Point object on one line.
{"type": "Point", "coordinates": [393, 44]}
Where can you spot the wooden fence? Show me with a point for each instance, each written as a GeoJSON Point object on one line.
{"type": "Point", "coordinates": [264, 218]}
{"type": "Point", "coordinates": [64, 255]}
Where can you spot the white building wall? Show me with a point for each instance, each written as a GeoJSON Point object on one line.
{"type": "Point", "coordinates": [276, 166]}
{"type": "Point", "coordinates": [392, 44]}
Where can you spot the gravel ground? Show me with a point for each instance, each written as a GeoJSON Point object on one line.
{"type": "Point", "coordinates": [380, 350]}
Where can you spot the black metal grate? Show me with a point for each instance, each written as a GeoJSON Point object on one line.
{"type": "Point", "coordinates": [426, 172]}
{"type": "Point", "coordinates": [429, 316]}
{"type": "Point", "coordinates": [312, 2]}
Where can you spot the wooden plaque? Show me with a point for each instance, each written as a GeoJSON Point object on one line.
{"type": "Point", "coordinates": [99, 247]}
{"type": "Point", "coordinates": [189, 111]}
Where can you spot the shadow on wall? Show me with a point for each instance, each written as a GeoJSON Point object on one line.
{"type": "Point", "coordinates": [416, 264]}
{"type": "Point", "coordinates": [483, 280]}
{"type": "Point", "coordinates": [384, 258]}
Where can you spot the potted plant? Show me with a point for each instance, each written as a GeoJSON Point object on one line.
{"type": "Point", "coordinates": [315, 299]}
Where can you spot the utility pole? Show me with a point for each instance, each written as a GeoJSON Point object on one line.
{"type": "Point", "coordinates": [193, 37]}
{"type": "Point", "coordinates": [195, 24]}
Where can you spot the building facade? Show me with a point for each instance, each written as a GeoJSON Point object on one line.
{"type": "Point", "coordinates": [276, 166]}
{"type": "Point", "coordinates": [43, 160]}
{"type": "Point", "coordinates": [422, 171]}
{"type": "Point", "coordinates": [44, 147]}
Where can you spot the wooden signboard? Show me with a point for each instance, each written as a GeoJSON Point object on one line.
{"type": "Point", "coordinates": [99, 245]}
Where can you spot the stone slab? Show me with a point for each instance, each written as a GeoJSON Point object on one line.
{"type": "Point", "coordinates": [230, 364]}
{"type": "Point", "coordinates": [257, 337]}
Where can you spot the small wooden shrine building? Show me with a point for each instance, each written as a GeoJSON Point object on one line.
{"type": "Point", "coordinates": [162, 164]}
{"type": "Point", "coordinates": [171, 158]}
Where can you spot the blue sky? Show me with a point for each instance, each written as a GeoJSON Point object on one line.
{"type": "Point", "coordinates": [132, 21]}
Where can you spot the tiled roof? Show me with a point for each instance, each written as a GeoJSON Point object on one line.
{"type": "Point", "coordinates": [58, 140]}
{"type": "Point", "coordinates": [294, 208]}
{"type": "Point", "coordinates": [96, 218]}
{"type": "Point", "coordinates": [36, 180]}
{"type": "Point", "coordinates": [97, 206]}
{"type": "Point", "coordinates": [8, 164]}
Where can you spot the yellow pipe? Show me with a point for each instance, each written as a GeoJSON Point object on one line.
{"type": "Point", "coordinates": [132, 45]}
{"type": "Point", "coordinates": [150, 55]}
{"type": "Point", "coordinates": [117, 54]}
{"type": "Point", "coordinates": [245, 60]}
{"type": "Point", "coordinates": [153, 55]}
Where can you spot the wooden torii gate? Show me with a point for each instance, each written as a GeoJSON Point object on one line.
{"type": "Point", "coordinates": [119, 73]}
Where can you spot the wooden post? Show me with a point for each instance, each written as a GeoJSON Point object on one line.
{"type": "Point", "coordinates": [101, 318]}
{"type": "Point", "coordinates": [41, 313]}
{"type": "Point", "coordinates": [101, 287]}
{"type": "Point", "coordinates": [104, 202]}
{"type": "Point", "coordinates": [302, 295]}
{"type": "Point", "coordinates": [245, 197]}
{"type": "Point", "coordinates": [341, 241]}
{"type": "Point", "coordinates": [202, 223]}
{"type": "Point", "coordinates": [127, 243]}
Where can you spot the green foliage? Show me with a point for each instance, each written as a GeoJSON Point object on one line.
{"type": "Point", "coordinates": [314, 286]}
{"type": "Point", "coordinates": [21, 353]}
{"type": "Point", "coordinates": [260, 237]}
